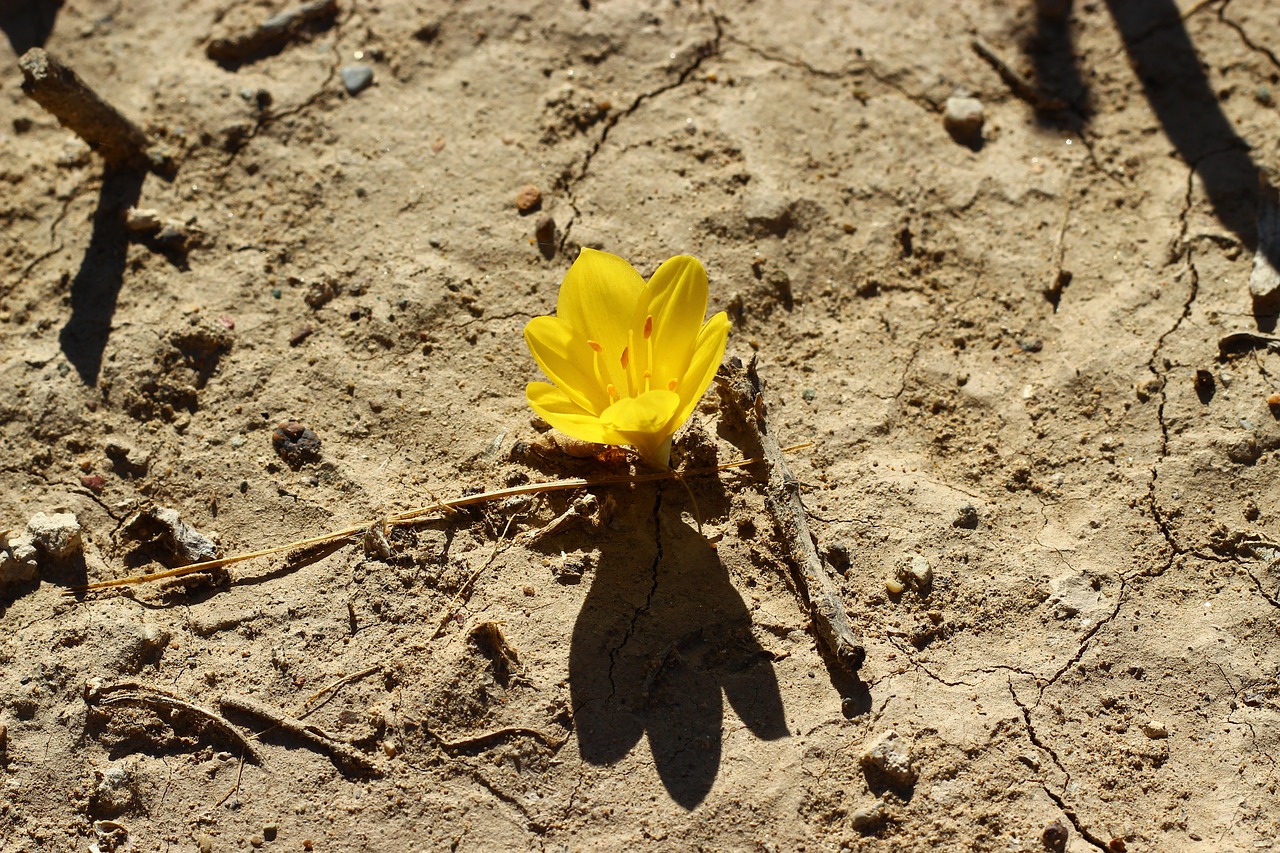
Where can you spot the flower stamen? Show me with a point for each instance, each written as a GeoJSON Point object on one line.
{"type": "Point", "coordinates": [596, 349]}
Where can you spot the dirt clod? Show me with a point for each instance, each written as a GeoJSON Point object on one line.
{"type": "Point", "coordinates": [296, 443]}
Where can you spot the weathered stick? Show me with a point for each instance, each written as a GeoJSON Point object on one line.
{"type": "Point", "coordinates": [339, 750]}
{"type": "Point", "coordinates": [78, 108]}
{"type": "Point", "coordinates": [131, 693]}
{"type": "Point", "coordinates": [1021, 86]}
{"type": "Point", "coordinates": [272, 34]}
{"type": "Point", "coordinates": [782, 496]}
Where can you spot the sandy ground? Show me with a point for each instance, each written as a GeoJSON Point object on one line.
{"type": "Point", "coordinates": [1028, 361]}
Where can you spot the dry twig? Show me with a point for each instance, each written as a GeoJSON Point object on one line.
{"type": "Point", "coordinates": [342, 752]}
{"type": "Point", "coordinates": [131, 693]}
{"type": "Point", "coordinates": [1021, 86]}
{"type": "Point", "coordinates": [782, 496]}
{"type": "Point", "coordinates": [78, 108]}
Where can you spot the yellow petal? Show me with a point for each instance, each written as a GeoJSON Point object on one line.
{"type": "Point", "coordinates": [707, 354]}
{"type": "Point", "coordinates": [676, 298]}
{"type": "Point", "coordinates": [557, 409]}
{"type": "Point", "coordinates": [567, 360]}
{"type": "Point", "coordinates": [597, 299]}
{"type": "Point", "coordinates": [646, 423]}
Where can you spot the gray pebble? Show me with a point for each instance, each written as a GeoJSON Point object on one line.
{"type": "Point", "coordinates": [966, 517]}
{"type": "Point", "coordinates": [868, 817]}
{"type": "Point", "coordinates": [888, 756]}
{"type": "Point", "coordinates": [356, 78]}
{"type": "Point", "coordinates": [58, 535]}
{"type": "Point", "coordinates": [963, 119]}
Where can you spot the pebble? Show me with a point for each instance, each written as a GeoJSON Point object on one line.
{"type": "Point", "coordinates": [163, 527]}
{"type": "Point", "coordinates": [1264, 281]}
{"type": "Point", "coordinates": [966, 517]}
{"type": "Point", "coordinates": [528, 199]}
{"type": "Point", "coordinates": [356, 78]}
{"type": "Point", "coordinates": [296, 443]}
{"type": "Point", "coordinates": [58, 535]}
{"type": "Point", "coordinates": [142, 220]}
{"type": "Point", "coordinates": [1055, 836]}
{"type": "Point", "coordinates": [1155, 729]}
{"type": "Point", "coordinates": [868, 817]}
{"type": "Point", "coordinates": [838, 557]}
{"type": "Point", "coordinates": [17, 559]}
{"type": "Point", "coordinates": [126, 459]}
{"type": "Point", "coordinates": [919, 575]}
{"type": "Point", "coordinates": [963, 119]}
{"type": "Point", "coordinates": [889, 756]}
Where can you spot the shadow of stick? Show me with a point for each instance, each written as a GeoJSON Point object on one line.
{"type": "Point", "coordinates": [96, 287]}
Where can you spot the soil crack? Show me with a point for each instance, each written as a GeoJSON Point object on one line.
{"type": "Point", "coordinates": [653, 590]}
{"type": "Point", "coordinates": [1272, 57]}
{"type": "Point", "coordinates": [702, 52]}
{"type": "Point", "coordinates": [1057, 798]}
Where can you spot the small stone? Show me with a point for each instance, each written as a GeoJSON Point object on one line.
{"type": "Point", "coordinates": [390, 747]}
{"type": "Point", "coordinates": [966, 517]}
{"type": "Point", "coordinates": [888, 756]}
{"type": "Point", "coordinates": [356, 78]}
{"type": "Point", "coordinates": [58, 535]}
{"type": "Point", "coordinates": [17, 559]}
{"type": "Point", "coordinates": [296, 443]}
{"type": "Point", "coordinates": [963, 119]}
{"type": "Point", "coordinates": [528, 199]}
{"type": "Point", "coordinates": [300, 334]}
{"type": "Point", "coordinates": [572, 567]}
{"type": "Point", "coordinates": [1055, 837]}
{"type": "Point", "coordinates": [1155, 729]}
{"type": "Point", "coordinates": [176, 542]}
{"type": "Point", "coordinates": [838, 557]}
{"type": "Point", "coordinates": [893, 586]}
{"type": "Point", "coordinates": [869, 817]}
{"type": "Point", "coordinates": [205, 843]}
{"type": "Point", "coordinates": [270, 830]}
{"type": "Point", "coordinates": [919, 575]}
{"type": "Point", "coordinates": [94, 483]}
{"type": "Point", "coordinates": [126, 459]}
{"type": "Point", "coordinates": [1264, 281]}
{"type": "Point", "coordinates": [142, 220]}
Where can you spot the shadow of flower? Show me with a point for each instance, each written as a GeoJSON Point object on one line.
{"type": "Point", "coordinates": [661, 635]}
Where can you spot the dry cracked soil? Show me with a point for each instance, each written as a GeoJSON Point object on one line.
{"type": "Point", "coordinates": [1025, 355]}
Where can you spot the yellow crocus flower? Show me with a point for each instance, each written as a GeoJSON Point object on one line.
{"type": "Point", "coordinates": [629, 360]}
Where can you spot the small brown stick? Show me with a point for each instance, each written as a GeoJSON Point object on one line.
{"type": "Point", "coordinates": [271, 34]}
{"type": "Point", "coordinates": [782, 496]}
{"type": "Point", "coordinates": [480, 740]}
{"type": "Point", "coordinates": [78, 108]}
{"type": "Point", "coordinates": [338, 749]}
{"type": "Point", "coordinates": [581, 509]}
{"type": "Point", "coordinates": [346, 679]}
{"type": "Point", "coordinates": [138, 694]}
{"type": "Point", "coordinates": [1021, 86]}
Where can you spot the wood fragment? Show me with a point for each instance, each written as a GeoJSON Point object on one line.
{"type": "Point", "coordinates": [1020, 85]}
{"type": "Point", "coordinates": [78, 108]}
{"type": "Point", "coordinates": [132, 693]}
{"type": "Point", "coordinates": [343, 753]}
{"type": "Point", "coordinates": [743, 390]}
{"type": "Point", "coordinates": [271, 35]}
{"type": "Point", "coordinates": [482, 740]}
